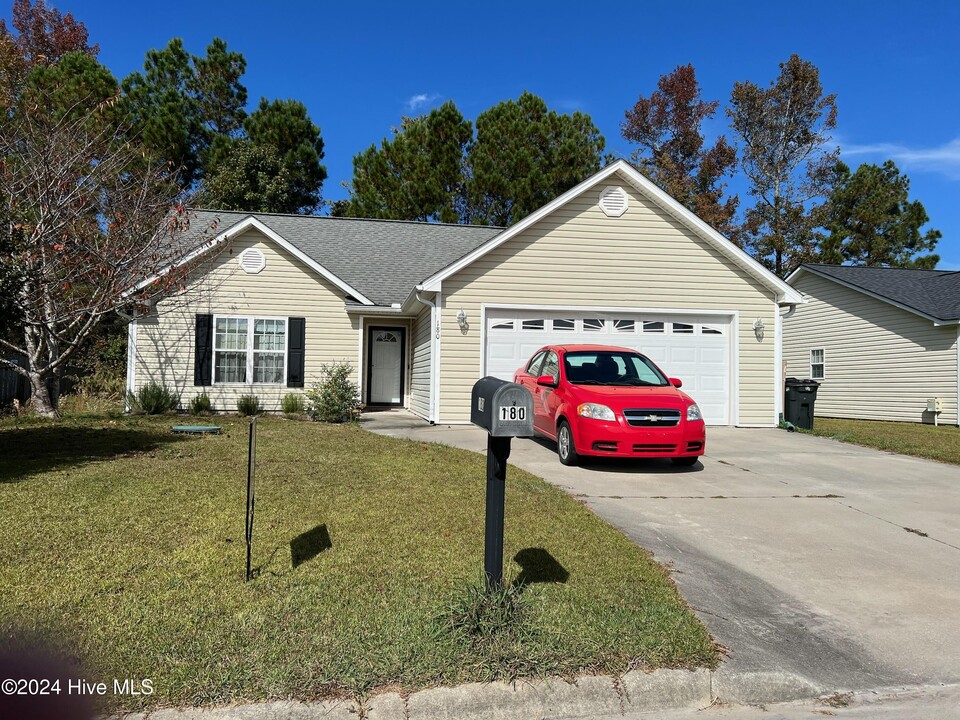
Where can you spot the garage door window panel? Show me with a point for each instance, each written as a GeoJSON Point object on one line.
{"type": "Point", "coordinates": [682, 328]}
{"type": "Point", "coordinates": [537, 324]}
{"type": "Point", "coordinates": [593, 325]}
{"type": "Point", "coordinates": [564, 325]}
{"type": "Point", "coordinates": [652, 326]}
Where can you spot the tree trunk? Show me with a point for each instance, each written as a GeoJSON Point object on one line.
{"type": "Point", "coordinates": [43, 401]}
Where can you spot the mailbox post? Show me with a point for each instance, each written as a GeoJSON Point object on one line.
{"type": "Point", "coordinates": [505, 411]}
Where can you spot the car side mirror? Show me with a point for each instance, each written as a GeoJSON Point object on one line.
{"type": "Point", "coordinates": [547, 381]}
{"type": "Point", "coordinates": [676, 382]}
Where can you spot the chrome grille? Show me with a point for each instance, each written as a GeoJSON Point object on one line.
{"type": "Point", "coordinates": [652, 417]}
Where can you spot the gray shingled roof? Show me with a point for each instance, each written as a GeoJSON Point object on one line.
{"type": "Point", "coordinates": [934, 293]}
{"type": "Point", "coordinates": [383, 259]}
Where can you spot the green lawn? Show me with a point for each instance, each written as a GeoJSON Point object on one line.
{"type": "Point", "coordinates": [926, 441]}
{"type": "Point", "coordinates": [125, 543]}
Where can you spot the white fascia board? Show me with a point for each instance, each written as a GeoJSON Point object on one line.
{"type": "Point", "coordinates": [785, 293]}
{"type": "Point", "coordinates": [936, 322]}
{"type": "Point", "coordinates": [251, 222]}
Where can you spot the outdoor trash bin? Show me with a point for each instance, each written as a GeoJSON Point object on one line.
{"type": "Point", "coordinates": [800, 397]}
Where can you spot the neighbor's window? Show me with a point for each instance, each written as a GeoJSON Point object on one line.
{"type": "Point", "coordinates": [816, 364]}
{"type": "Point", "coordinates": [249, 350]}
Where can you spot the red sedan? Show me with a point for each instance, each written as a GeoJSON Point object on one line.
{"type": "Point", "coordinates": [613, 402]}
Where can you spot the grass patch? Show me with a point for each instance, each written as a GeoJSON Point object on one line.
{"type": "Point", "coordinates": [124, 544]}
{"type": "Point", "coordinates": [935, 443]}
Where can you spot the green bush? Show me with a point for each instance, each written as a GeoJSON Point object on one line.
{"type": "Point", "coordinates": [335, 397]}
{"type": "Point", "coordinates": [200, 405]}
{"type": "Point", "coordinates": [155, 399]}
{"type": "Point", "coordinates": [248, 405]}
{"type": "Point", "coordinates": [293, 404]}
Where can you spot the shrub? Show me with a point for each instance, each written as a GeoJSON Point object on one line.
{"type": "Point", "coordinates": [248, 405]}
{"type": "Point", "coordinates": [155, 399]}
{"type": "Point", "coordinates": [200, 405]}
{"type": "Point", "coordinates": [293, 404]}
{"type": "Point", "coordinates": [335, 397]}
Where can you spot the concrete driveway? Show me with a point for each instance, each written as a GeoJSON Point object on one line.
{"type": "Point", "coordinates": [832, 562]}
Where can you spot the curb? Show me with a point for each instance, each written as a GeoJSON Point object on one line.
{"type": "Point", "coordinates": [587, 697]}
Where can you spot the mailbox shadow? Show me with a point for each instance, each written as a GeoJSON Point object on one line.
{"type": "Point", "coordinates": [538, 566]}
{"type": "Point", "coordinates": [308, 545]}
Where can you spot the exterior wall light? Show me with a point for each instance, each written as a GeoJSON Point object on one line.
{"type": "Point", "coordinates": [758, 328]}
{"type": "Point", "coordinates": [462, 321]}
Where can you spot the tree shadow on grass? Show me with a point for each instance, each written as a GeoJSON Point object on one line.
{"type": "Point", "coordinates": [33, 450]}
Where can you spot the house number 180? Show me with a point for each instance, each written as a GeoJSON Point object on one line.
{"type": "Point", "coordinates": [513, 413]}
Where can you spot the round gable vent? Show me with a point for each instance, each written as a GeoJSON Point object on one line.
{"type": "Point", "coordinates": [613, 201]}
{"type": "Point", "coordinates": [252, 261]}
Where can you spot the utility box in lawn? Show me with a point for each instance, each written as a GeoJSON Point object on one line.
{"type": "Point", "coordinates": [503, 409]}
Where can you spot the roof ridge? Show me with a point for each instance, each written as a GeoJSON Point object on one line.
{"type": "Point", "coordinates": [429, 223]}
{"type": "Point", "coordinates": [881, 267]}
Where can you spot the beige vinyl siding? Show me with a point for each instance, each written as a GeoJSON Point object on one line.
{"type": "Point", "coordinates": [421, 372]}
{"type": "Point", "coordinates": [577, 256]}
{"type": "Point", "coordinates": [881, 362]}
{"type": "Point", "coordinates": [284, 288]}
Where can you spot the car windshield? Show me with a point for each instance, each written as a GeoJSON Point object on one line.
{"type": "Point", "coordinates": [611, 367]}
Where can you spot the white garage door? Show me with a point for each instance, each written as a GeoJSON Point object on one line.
{"type": "Point", "coordinates": [695, 349]}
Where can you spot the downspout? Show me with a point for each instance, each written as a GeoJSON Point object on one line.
{"type": "Point", "coordinates": [434, 351]}
{"type": "Point", "coordinates": [131, 384]}
{"type": "Point", "coordinates": [779, 359]}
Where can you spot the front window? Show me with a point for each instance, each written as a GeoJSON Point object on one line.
{"type": "Point", "coordinates": [612, 367]}
{"type": "Point", "coordinates": [249, 350]}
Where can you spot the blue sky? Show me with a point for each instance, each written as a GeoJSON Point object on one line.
{"type": "Point", "coordinates": [359, 67]}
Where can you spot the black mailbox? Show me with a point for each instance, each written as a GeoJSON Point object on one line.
{"type": "Point", "coordinates": [503, 409]}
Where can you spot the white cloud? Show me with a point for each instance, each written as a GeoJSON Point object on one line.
{"type": "Point", "coordinates": [944, 159]}
{"type": "Point", "coordinates": [415, 102]}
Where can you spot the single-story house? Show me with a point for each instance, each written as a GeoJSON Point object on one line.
{"type": "Point", "coordinates": [422, 310]}
{"type": "Point", "coordinates": [882, 342]}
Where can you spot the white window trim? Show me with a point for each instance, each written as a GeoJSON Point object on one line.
{"type": "Point", "coordinates": [823, 363]}
{"type": "Point", "coordinates": [251, 319]}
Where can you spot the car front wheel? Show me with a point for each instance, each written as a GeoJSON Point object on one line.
{"type": "Point", "coordinates": [565, 447]}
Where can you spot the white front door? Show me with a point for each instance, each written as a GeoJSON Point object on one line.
{"type": "Point", "coordinates": [386, 366]}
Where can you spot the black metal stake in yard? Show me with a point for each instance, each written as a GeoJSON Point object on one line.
{"type": "Point", "coordinates": [251, 491]}
{"type": "Point", "coordinates": [498, 450]}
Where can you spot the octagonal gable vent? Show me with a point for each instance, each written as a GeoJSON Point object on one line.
{"type": "Point", "coordinates": [252, 261]}
{"type": "Point", "coordinates": [613, 201]}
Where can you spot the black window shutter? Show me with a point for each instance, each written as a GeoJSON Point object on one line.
{"type": "Point", "coordinates": [203, 351]}
{"type": "Point", "coordinates": [296, 350]}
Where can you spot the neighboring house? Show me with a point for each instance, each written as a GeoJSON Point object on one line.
{"type": "Point", "coordinates": [881, 341]}
{"type": "Point", "coordinates": [422, 310]}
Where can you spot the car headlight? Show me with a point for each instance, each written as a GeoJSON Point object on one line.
{"type": "Point", "coordinates": [693, 413]}
{"type": "Point", "coordinates": [596, 411]}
